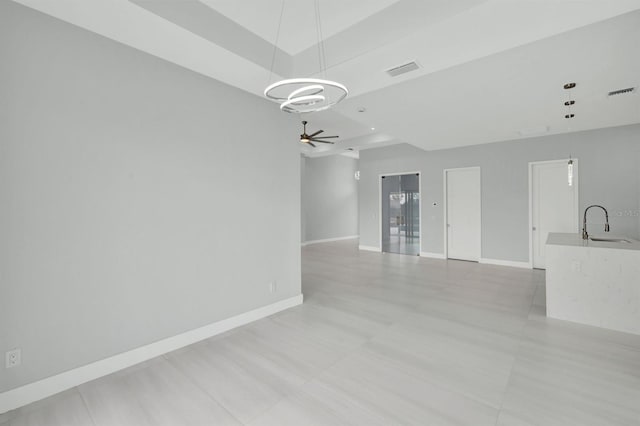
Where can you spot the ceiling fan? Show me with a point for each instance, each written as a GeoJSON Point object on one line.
{"type": "Point", "coordinates": [310, 139]}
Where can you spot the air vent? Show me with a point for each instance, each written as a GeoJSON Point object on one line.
{"type": "Point", "coordinates": [534, 131]}
{"type": "Point", "coordinates": [622, 91]}
{"type": "Point", "coordinates": [402, 69]}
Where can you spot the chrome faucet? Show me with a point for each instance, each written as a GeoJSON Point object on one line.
{"type": "Point", "coordinates": [585, 234]}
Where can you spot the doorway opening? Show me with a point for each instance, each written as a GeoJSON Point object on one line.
{"type": "Point", "coordinates": [400, 218]}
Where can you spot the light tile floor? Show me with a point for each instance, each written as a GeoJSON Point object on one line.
{"type": "Point", "coordinates": [381, 339]}
{"type": "Point", "coordinates": [402, 245]}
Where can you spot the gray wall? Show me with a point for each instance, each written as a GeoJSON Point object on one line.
{"type": "Point", "coordinates": [609, 174]}
{"type": "Point", "coordinates": [303, 200]}
{"type": "Point", "coordinates": [131, 199]}
{"type": "Point", "coordinates": [329, 197]}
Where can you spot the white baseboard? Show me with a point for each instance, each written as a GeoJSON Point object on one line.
{"type": "Point", "coordinates": [41, 389]}
{"type": "Point", "coordinates": [370, 248]}
{"type": "Point", "coordinates": [328, 240]}
{"type": "Point", "coordinates": [500, 262]}
{"type": "Point", "coordinates": [432, 255]}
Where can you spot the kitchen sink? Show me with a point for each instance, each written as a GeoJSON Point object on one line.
{"type": "Point", "coordinates": [610, 240]}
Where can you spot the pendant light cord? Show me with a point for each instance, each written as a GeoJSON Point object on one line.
{"type": "Point", "coordinates": [275, 46]}
{"type": "Point", "coordinates": [322, 57]}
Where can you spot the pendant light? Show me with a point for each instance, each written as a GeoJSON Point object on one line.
{"type": "Point", "coordinates": [569, 115]}
{"type": "Point", "coordinates": [300, 95]}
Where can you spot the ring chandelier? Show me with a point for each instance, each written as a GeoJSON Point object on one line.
{"type": "Point", "coordinates": [306, 94]}
{"type": "Point", "coordinates": [300, 95]}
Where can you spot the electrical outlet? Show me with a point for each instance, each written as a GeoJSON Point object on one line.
{"type": "Point", "coordinates": [273, 287]}
{"type": "Point", "coordinates": [576, 266]}
{"type": "Point", "coordinates": [12, 358]}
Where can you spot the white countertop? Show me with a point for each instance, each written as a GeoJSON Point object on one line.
{"type": "Point", "coordinates": [575, 240]}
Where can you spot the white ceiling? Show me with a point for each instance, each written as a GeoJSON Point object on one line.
{"type": "Point", "coordinates": [263, 17]}
{"type": "Point", "coordinates": [489, 68]}
{"type": "Point", "coordinates": [519, 91]}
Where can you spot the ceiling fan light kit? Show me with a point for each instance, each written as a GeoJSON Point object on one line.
{"type": "Point", "coordinates": [310, 139]}
{"type": "Point", "coordinates": [301, 95]}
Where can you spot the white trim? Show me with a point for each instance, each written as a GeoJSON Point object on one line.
{"type": "Point", "coordinates": [35, 391]}
{"type": "Point", "coordinates": [576, 195]}
{"type": "Point", "coordinates": [370, 248]}
{"type": "Point", "coordinates": [380, 176]}
{"type": "Point", "coordinates": [445, 202]}
{"type": "Point", "coordinates": [328, 240]}
{"type": "Point", "coordinates": [501, 262]}
{"type": "Point", "coordinates": [530, 171]}
{"type": "Point", "coordinates": [445, 245]}
{"type": "Point", "coordinates": [380, 212]}
{"type": "Point", "coordinates": [432, 255]}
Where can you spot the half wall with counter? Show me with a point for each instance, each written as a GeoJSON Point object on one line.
{"type": "Point", "coordinates": [594, 281]}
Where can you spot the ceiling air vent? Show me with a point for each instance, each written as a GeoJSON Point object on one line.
{"type": "Point", "coordinates": [622, 91]}
{"type": "Point", "coordinates": [402, 69]}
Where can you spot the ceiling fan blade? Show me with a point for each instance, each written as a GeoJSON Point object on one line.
{"type": "Point", "coordinates": [327, 137]}
{"type": "Point", "coordinates": [311, 143]}
{"type": "Point", "coordinates": [318, 140]}
{"type": "Point", "coordinates": [316, 133]}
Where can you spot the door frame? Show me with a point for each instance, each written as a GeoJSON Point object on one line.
{"type": "Point", "coordinates": [576, 196]}
{"type": "Point", "coordinates": [446, 209]}
{"type": "Point", "coordinates": [380, 176]}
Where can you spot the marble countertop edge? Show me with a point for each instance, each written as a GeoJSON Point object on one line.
{"type": "Point", "coordinates": [575, 240]}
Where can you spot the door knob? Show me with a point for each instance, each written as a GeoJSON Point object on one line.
{"type": "Point", "coordinates": [533, 229]}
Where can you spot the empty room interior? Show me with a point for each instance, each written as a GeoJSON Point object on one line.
{"type": "Point", "coordinates": [319, 212]}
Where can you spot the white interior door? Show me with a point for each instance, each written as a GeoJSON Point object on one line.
{"type": "Point", "coordinates": [463, 213]}
{"type": "Point", "coordinates": [554, 205]}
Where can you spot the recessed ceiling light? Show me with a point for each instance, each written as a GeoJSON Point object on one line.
{"type": "Point", "coordinates": [361, 109]}
{"type": "Point", "coordinates": [373, 128]}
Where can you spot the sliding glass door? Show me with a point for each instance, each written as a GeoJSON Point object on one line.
{"type": "Point", "coordinates": [401, 214]}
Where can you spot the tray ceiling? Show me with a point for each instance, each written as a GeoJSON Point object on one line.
{"type": "Point", "coordinates": [489, 68]}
